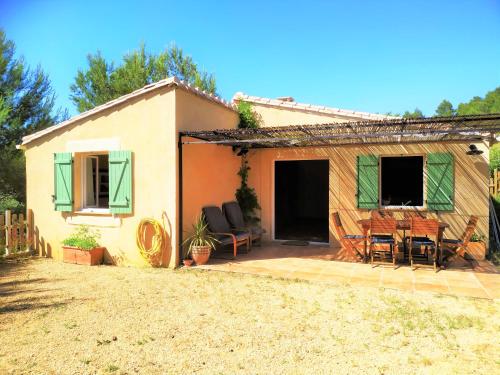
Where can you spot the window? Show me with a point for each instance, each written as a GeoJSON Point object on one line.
{"type": "Point", "coordinates": [402, 181]}
{"type": "Point", "coordinates": [95, 180]}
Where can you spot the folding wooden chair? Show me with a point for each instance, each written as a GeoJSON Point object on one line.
{"type": "Point", "coordinates": [420, 230]}
{"type": "Point", "coordinates": [383, 243]}
{"type": "Point", "coordinates": [353, 243]}
{"type": "Point", "coordinates": [458, 247]}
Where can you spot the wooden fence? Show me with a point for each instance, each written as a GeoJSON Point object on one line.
{"type": "Point", "coordinates": [495, 183]}
{"type": "Point", "coordinates": [16, 233]}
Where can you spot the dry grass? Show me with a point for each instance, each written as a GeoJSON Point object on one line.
{"type": "Point", "coordinates": [65, 319]}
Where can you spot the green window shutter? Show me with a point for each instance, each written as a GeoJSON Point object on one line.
{"type": "Point", "coordinates": [120, 182]}
{"type": "Point", "coordinates": [440, 182]}
{"type": "Point", "coordinates": [63, 181]}
{"type": "Point", "coordinates": [367, 193]}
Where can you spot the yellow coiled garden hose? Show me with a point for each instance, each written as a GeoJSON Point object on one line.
{"type": "Point", "coordinates": [156, 241]}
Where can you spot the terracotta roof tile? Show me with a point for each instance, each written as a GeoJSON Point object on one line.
{"type": "Point", "coordinates": [311, 108]}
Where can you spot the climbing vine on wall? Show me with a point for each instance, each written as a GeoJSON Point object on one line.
{"type": "Point", "coordinates": [246, 196]}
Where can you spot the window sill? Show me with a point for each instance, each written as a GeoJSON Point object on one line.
{"type": "Point", "coordinates": [404, 208]}
{"type": "Point", "coordinates": [94, 211]}
{"type": "Point", "coordinates": [96, 219]}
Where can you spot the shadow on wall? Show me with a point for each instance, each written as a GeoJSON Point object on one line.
{"type": "Point", "coordinates": [161, 259]}
{"type": "Point", "coordinates": [42, 248]}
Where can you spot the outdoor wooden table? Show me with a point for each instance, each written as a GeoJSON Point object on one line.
{"type": "Point", "coordinates": [403, 225]}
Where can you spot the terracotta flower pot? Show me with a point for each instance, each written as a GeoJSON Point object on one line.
{"type": "Point", "coordinates": [86, 257]}
{"type": "Point", "coordinates": [187, 262]}
{"type": "Point", "coordinates": [200, 254]}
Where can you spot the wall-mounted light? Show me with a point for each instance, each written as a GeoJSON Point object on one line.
{"type": "Point", "coordinates": [473, 150]}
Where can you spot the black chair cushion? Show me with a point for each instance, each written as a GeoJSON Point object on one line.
{"type": "Point", "coordinates": [452, 241]}
{"type": "Point", "coordinates": [354, 236]}
{"type": "Point", "coordinates": [227, 240]}
{"type": "Point", "coordinates": [423, 241]}
{"type": "Point", "coordinates": [234, 215]}
{"type": "Point", "coordinates": [382, 239]}
{"type": "Point", "coordinates": [216, 221]}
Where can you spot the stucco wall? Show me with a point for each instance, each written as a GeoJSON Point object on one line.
{"type": "Point", "coordinates": [144, 126]}
{"type": "Point", "coordinates": [148, 126]}
{"type": "Point", "coordinates": [276, 116]}
{"type": "Point", "coordinates": [209, 171]}
{"type": "Point", "coordinates": [471, 182]}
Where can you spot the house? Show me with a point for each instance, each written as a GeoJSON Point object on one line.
{"type": "Point", "coordinates": [168, 149]}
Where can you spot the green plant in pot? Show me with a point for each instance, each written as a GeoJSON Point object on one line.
{"type": "Point", "coordinates": [82, 247]}
{"type": "Point", "coordinates": [200, 243]}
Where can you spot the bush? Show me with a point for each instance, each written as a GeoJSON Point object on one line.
{"type": "Point", "coordinates": [494, 157]}
{"type": "Point", "coordinates": [83, 238]}
{"type": "Point", "coordinates": [248, 118]}
{"type": "Point", "coordinates": [9, 202]}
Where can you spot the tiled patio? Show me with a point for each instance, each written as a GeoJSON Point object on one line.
{"type": "Point", "coordinates": [321, 263]}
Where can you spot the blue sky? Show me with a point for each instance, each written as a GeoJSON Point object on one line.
{"type": "Point", "coordinates": [376, 56]}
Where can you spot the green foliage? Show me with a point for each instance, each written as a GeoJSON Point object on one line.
{"type": "Point", "coordinates": [102, 81]}
{"type": "Point", "coordinates": [245, 195]}
{"type": "Point", "coordinates": [84, 238]}
{"type": "Point", "coordinates": [199, 236]}
{"type": "Point", "coordinates": [248, 117]}
{"type": "Point", "coordinates": [445, 108]}
{"type": "Point", "coordinates": [417, 113]}
{"type": "Point", "coordinates": [477, 105]}
{"type": "Point", "coordinates": [477, 238]}
{"type": "Point", "coordinates": [10, 202]}
{"type": "Point", "coordinates": [494, 157]}
{"type": "Point", "coordinates": [26, 105]}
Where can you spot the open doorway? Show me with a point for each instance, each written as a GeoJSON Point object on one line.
{"type": "Point", "coordinates": [301, 200]}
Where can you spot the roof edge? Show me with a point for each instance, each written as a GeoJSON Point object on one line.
{"type": "Point", "coordinates": [167, 82]}
{"type": "Point", "coordinates": [239, 96]}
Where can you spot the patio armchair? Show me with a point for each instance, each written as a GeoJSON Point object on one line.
{"type": "Point", "coordinates": [353, 243]}
{"type": "Point", "coordinates": [427, 248]}
{"type": "Point", "coordinates": [382, 239]}
{"type": "Point", "coordinates": [221, 230]}
{"type": "Point", "coordinates": [234, 216]}
{"type": "Point", "coordinates": [458, 247]}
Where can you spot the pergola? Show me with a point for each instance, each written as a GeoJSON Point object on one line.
{"type": "Point", "coordinates": [419, 130]}
{"type": "Point", "coordinates": [470, 128]}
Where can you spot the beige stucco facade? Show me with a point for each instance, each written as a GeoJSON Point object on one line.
{"type": "Point", "coordinates": [148, 125]}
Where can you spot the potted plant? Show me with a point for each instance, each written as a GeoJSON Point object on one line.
{"type": "Point", "coordinates": [476, 248]}
{"type": "Point", "coordinates": [200, 243]}
{"type": "Point", "coordinates": [82, 247]}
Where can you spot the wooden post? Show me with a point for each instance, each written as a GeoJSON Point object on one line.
{"type": "Point", "coordinates": [495, 182]}
{"type": "Point", "coordinates": [13, 233]}
{"type": "Point", "coordinates": [2, 233]}
{"type": "Point", "coordinates": [22, 234]}
{"type": "Point", "coordinates": [8, 238]}
{"type": "Point", "coordinates": [30, 230]}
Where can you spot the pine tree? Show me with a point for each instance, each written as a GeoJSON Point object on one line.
{"type": "Point", "coordinates": [26, 105]}
{"type": "Point", "coordinates": [102, 81]}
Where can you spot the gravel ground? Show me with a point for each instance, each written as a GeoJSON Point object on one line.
{"type": "Point", "coordinates": [58, 318]}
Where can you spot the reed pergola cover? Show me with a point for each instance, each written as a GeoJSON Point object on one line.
{"type": "Point", "coordinates": [420, 130]}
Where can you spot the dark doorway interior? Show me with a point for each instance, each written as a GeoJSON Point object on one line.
{"type": "Point", "coordinates": [301, 200]}
{"type": "Point", "coordinates": [402, 181]}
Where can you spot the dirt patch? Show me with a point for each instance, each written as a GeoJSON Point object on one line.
{"type": "Point", "coordinates": [58, 318]}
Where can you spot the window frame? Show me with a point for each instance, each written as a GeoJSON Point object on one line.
{"type": "Point", "coordinates": [83, 184]}
{"type": "Point", "coordinates": [424, 183]}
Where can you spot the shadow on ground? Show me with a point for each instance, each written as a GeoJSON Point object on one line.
{"type": "Point", "coordinates": [20, 292]}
